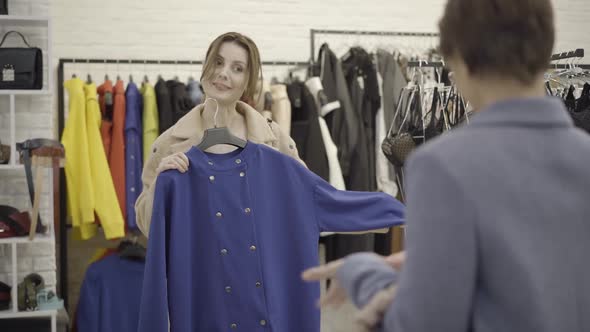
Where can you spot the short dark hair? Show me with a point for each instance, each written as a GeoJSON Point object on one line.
{"type": "Point", "coordinates": [512, 38]}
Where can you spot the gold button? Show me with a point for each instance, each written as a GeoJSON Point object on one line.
{"type": "Point", "coordinates": [247, 210]}
{"type": "Point", "coordinates": [228, 289]}
{"type": "Point", "coordinates": [211, 178]}
{"type": "Point", "coordinates": [242, 174]}
{"type": "Point", "coordinates": [252, 248]}
{"type": "Point", "coordinates": [258, 284]}
{"type": "Point", "coordinates": [224, 251]}
{"type": "Point", "coordinates": [263, 322]}
{"type": "Point", "coordinates": [238, 161]}
{"type": "Point", "coordinates": [218, 214]}
{"type": "Point", "coordinates": [234, 326]}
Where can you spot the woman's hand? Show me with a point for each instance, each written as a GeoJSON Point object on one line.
{"type": "Point", "coordinates": [177, 161]}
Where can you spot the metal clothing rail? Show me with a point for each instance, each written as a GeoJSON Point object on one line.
{"type": "Point", "coordinates": [426, 64]}
{"type": "Point", "coordinates": [579, 53]}
{"type": "Point", "coordinates": [63, 227]}
{"type": "Point", "coordinates": [314, 32]}
{"type": "Point", "coordinates": [173, 62]}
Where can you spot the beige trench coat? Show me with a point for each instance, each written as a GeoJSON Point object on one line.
{"type": "Point", "coordinates": [187, 132]}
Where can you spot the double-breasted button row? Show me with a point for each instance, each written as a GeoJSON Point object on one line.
{"type": "Point", "coordinates": [234, 326]}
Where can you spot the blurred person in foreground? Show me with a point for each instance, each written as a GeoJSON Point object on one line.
{"type": "Point", "coordinates": [497, 210]}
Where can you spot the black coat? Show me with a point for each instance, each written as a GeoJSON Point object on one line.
{"type": "Point", "coordinates": [164, 101]}
{"type": "Point", "coordinates": [305, 130]}
{"type": "Point", "coordinates": [342, 122]}
{"type": "Point", "coordinates": [180, 99]}
{"type": "Point", "coordinates": [348, 128]}
{"type": "Point", "coordinates": [361, 77]}
{"type": "Point", "coordinates": [173, 102]}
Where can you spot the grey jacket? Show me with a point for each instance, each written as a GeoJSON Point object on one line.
{"type": "Point", "coordinates": [498, 228]}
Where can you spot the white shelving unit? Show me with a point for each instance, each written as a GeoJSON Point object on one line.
{"type": "Point", "coordinates": [27, 21]}
{"type": "Point", "coordinates": [14, 243]}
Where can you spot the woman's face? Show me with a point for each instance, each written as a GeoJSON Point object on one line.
{"type": "Point", "coordinates": [230, 77]}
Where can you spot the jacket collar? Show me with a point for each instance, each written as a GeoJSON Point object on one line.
{"type": "Point", "coordinates": [526, 112]}
{"type": "Point", "coordinates": [258, 130]}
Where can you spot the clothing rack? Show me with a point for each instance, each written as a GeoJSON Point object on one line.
{"type": "Point", "coordinates": [63, 227]}
{"type": "Point", "coordinates": [172, 62]}
{"type": "Point", "coordinates": [314, 32]}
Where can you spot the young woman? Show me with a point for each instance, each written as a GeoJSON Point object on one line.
{"type": "Point", "coordinates": [231, 71]}
{"type": "Point", "coordinates": [497, 211]}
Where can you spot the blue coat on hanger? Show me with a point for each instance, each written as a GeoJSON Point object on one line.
{"type": "Point", "coordinates": [230, 237]}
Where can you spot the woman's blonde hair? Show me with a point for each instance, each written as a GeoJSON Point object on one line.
{"type": "Point", "coordinates": [254, 70]}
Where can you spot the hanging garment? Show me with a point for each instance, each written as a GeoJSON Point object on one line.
{"type": "Point", "coordinates": [110, 295]}
{"type": "Point", "coordinates": [105, 93]}
{"type": "Point", "coordinates": [149, 118]}
{"type": "Point", "coordinates": [117, 156]}
{"type": "Point", "coordinates": [384, 179]}
{"type": "Point", "coordinates": [77, 167]}
{"type": "Point", "coordinates": [189, 132]}
{"type": "Point", "coordinates": [88, 177]}
{"type": "Point", "coordinates": [234, 214]}
{"type": "Point", "coordinates": [105, 198]}
{"type": "Point", "coordinates": [314, 85]}
{"type": "Point", "coordinates": [180, 100]}
{"type": "Point", "coordinates": [393, 83]}
{"type": "Point", "coordinates": [361, 77]}
{"type": "Point", "coordinates": [164, 101]}
{"type": "Point", "coordinates": [133, 150]}
{"type": "Point", "coordinates": [305, 130]}
{"type": "Point", "coordinates": [343, 120]}
{"type": "Point", "coordinates": [383, 171]}
{"type": "Point", "coordinates": [281, 107]}
{"type": "Point", "coordinates": [194, 91]}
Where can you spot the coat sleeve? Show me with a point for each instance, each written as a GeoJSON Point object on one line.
{"type": "Point", "coordinates": [441, 255]}
{"type": "Point", "coordinates": [153, 311]}
{"type": "Point", "coordinates": [350, 211]}
{"type": "Point", "coordinates": [363, 275]}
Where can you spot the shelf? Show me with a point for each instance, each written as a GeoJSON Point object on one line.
{"type": "Point", "coordinates": [27, 314]}
{"type": "Point", "coordinates": [30, 20]}
{"type": "Point", "coordinates": [39, 238]}
{"type": "Point", "coordinates": [24, 92]}
{"type": "Point", "coordinates": [11, 167]}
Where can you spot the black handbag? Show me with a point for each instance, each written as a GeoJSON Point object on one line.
{"type": "Point", "coordinates": [21, 68]}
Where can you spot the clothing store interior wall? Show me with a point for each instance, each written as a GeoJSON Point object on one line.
{"type": "Point", "coordinates": [182, 30]}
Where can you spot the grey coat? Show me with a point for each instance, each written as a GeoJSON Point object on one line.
{"type": "Point", "coordinates": [498, 228]}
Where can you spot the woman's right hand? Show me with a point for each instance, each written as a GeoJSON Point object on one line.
{"type": "Point", "coordinates": [177, 161]}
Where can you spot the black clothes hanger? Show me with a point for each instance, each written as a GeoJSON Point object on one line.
{"type": "Point", "coordinates": [222, 135]}
{"type": "Point", "coordinates": [131, 249]}
{"type": "Point", "coordinates": [88, 79]}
